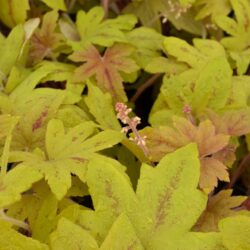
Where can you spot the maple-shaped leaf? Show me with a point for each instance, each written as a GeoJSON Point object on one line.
{"type": "Point", "coordinates": [94, 29]}
{"type": "Point", "coordinates": [206, 84]}
{"type": "Point", "coordinates": [163, 193]}
{"type": "Point", "coordinates": [219, 207]}
{"type": "Point", "coordinates": [239, 40]}
{"type": "Point", "coordinates": [106, 68]}
{"type": "Point", "coordinates": [67, 153]}
{"type": "Point", "coordinates": [166, 139]}
{"type": "Point", "coordinates": [46, 41]}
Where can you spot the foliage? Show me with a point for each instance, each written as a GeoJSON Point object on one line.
{"type": "Point", "coordinates": [85, 164]}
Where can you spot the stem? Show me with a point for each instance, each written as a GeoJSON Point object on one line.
{"type": "Point", "coordinates": [14, 221]}
{"type": "Point", "coordinates": [146, 85]}
{"type": "Point", "coordinates": [137, 135]}
{"type": "Point", "coordinates": [105, 5]}
{"type": "Point", "coordinates": [239, 171]}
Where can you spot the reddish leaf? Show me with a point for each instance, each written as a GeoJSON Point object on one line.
{"type": "Point", "coordinates": [106, 68]}
{"type": "Point", "coordinates": [211, 170]}
{"type": "Point", "coordinates": [45, 40]}
{"type": "Point", "coordinates": [236, 122]}
{"type": "Point", "coordinates": [161, 141]}
{"type": "Point", "coordinates": [219, 206]}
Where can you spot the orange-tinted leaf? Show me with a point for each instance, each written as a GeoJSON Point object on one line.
{"type": "Point", "coordinates": [208, 141]}
{"type": "Point", "coordinates": [163, 140]}
{"type": "Point", "coordinates": [106, 68]}
{"type": "Point", "coordinates": [219, 207]}
{"type": "Point", "coordinates": [235, 123]}
{"type": "Point", "coordinates": [211, 171]}
{"type": "Point", "coordinates": [45, 40]}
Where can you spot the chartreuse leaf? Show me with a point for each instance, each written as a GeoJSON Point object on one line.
{"type": "Point", "coordinates": [239, 40]}
{"type": "Point", "coordinates": [35, 111]}
{"type": "Point", "coordinates": [112, 196]}
{"type": "Point", "coordinates": [129, 240]}
{"type": "Point", "coordinates": [71, 236]}
{"type": "Point", "coordinates": [101, 107]}
{"type": "Point", "coordinates": [212, 8]}
{"type": "Point", "coordinates": [235, 232]}
{"type": "Point", "coordinates": [219, 206]}
{"type": "Point", "coordinates": [148, 44]}
{"type": "Point", "coordinates": [46, 41]}
{"type": "Point", "coordinates": [213, 86]}
{"type": "Point", "coordinates": [13, 12]}
{"type": "Point", "coordinates": [15, 182]}
{"type": "Point", "coordinates": [203, 51]}
{"type": "Point", "coordinates": [93, 29]}
{"type": "Point", "coordinates": [68, 153]}
{"type": "Point", "coordinates": [169, 188]}
{"type": "Point", "coordinates": [56, 4]}
{"type": "Point", "coordinates": [10, 239]}
{"type": "Point", "coordinates": [178, 13]}
{"type": "Point", "coordinates": [45, 221]}
{"type": "Point", "coordinates": [197, 86]}
{"type": "Point", "coordinates": [106, 68]}
{"type": "Point", "coordinates": [10, 49]}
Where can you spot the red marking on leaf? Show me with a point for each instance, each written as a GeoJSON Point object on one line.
{"type": "Point", "coordinates": [105, 68]}
{"type": "Point", "coordinates": [39, 121]}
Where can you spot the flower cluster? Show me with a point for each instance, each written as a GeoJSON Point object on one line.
{"type": "Point", "coordinates": [178, 9]}
{"type": "Point", "coordinates": [123, 115]}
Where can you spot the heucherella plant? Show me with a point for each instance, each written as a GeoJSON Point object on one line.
{"type": "Point", "coordinates": [124, 125]}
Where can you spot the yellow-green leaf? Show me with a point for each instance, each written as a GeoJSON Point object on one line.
{"type": "Point", "coordinates": [71, 236]}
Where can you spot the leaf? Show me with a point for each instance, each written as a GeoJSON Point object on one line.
{"type": "Point", "coordinates": [240, 30]}
{"type": "Point", "coordinates": [13, 12]}
{"type": "Point", "coordinates": [62, 237]}
{"type": "Point", "coordinates": [235, 232]}
{"type": "Point", "coordinates": [106, 68]}
{"type": "Point", "coordinates": [170, 189]}
{"type": "Point", "coordinates": [150, 12]}
{"type": "Point", "coordinates": [45, 220]}
{"type": "Point", "coordinates": [219, 206]}
{"type": "Point", "coordinates": [166, 139]}
{"type": "Point", "coordinates": [213, 85]}
{"type": "Point", "coordinates": [56, 4]}
{"type": "Point", "coordinates": [93, 29]}
{"type": "Point", "coordinates": [35, 111]}
{"type": "Point", "coordinates": [46, 41]}
{"type": "Point", "coordinates": [165, 65]}
{"type": "Point", "coordinates": [212, 170]}
{"type": "Point", "coordinates": [148, 44]}
{"type": "Point", "coordinates": [68, 153]}
{"type": "Point", "coordinates": [122, 226]}
{"type": "Point", "coordinates": [10, 49]}
{"type": "Point", "coordinates": [213, 8]}
{"type": "Point", "coordinates": [235, 122]}
{"type": "Point", "coordinates": [112, 196]}
{"type": "Point", "coordinates": [15, 182]}
{"type": "Point", "coordinates": [103, 109]}
{"type": "Point", "coordinates": [197, 56]}
{"type": "Point", "coordinates": [10, 239]}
